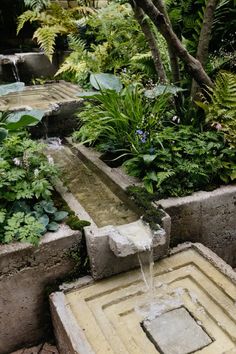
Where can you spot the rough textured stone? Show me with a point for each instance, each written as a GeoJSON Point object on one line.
{"type": "Point", "coordinates": [25, 274]}
{"type": "Point", "coordinates": [58, 100]}
{"type": "Point", "coordinates": [176, 332]}
{"type": "Point", "coordinates": [105, 317]}
{"type": "Point", "coordinates": [206, 217]}
{"type": "Point", "coordinates": [103, 250]}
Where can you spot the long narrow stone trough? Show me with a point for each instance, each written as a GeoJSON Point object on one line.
{"type": "Point", "coordinates": [117, 232]}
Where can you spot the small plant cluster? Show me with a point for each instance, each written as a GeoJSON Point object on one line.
{"type": "Point", "coordinates": [26, 209]}
{"type": "Point", "coordinates": [169, 156]}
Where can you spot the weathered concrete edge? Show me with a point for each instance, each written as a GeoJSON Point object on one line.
{"type": "Point", "coordinates": [196, 197]}
{"type": "Point", "coordinates": [25, 251]}
{"type": "Point", "coordinates": [209, 255]}
{"type": "Point", "coordinates": [66, 328]}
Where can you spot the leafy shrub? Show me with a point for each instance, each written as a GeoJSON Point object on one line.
{"type": "Point", "coordinates": [26, 211]}
{"type": "Point", "coordinates": [52, 20]}
{"type": "Point", "coordinates": [111, 30]}
{"type": "Point", "coordinates": [181, 160]}
{"type": "Point", "coordinates": [113, 120]}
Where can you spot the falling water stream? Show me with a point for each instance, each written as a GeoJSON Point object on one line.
{"type": "Point", "coordinates": [15, 68]}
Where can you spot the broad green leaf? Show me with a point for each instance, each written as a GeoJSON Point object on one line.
{"type": "Point", "coordinates": [22, 119]}
{"type": "Point", "coordinates": [162, 89]}
{"type": "Point", "coordinates": [149, 158]}
{"type": "Point", "coordinates": [15, 87]}
{"type": "Point", "coordinates": [148, 185]}
{"type": "Point", "coordinates": [88, 94]}
{"type": "Point", "coordinates": [53, 226]}
{"type": "Point", "coordinates": [60, 215]}
{"type": "Point", "coordinates": [44, 220]}
{"type": "Point", "coordinates": [3, 134]}
{"type": "Point", "coordinates": [152, 176]}
{"type": "Point", "coordinates": [49, 208]}
{"type": "Point", "coordinates": [233, 175]}
{"type": "Point", "coordinates": [106, 82]}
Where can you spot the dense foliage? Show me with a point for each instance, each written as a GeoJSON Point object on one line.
{"type": "Point", "coordinates": [26, 209]}
{"type": "Point", "coordinates": [178, 136]}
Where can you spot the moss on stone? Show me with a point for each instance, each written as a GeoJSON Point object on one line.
{"type": "Point", "coordinates": [144, 201]}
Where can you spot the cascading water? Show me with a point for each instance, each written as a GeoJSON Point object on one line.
{"type": "Point", "coordinates": [12, 60]}
{"type": "Point", "coordinates": [15, 68]}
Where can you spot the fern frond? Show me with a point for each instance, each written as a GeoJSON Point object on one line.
{"type": "Point", "coordinates": [162, 176]}
{"type": "Point", "coordinates": [46, 37]}
{"type": "Point", "coordinates": [37, 5]}
{"type": "Point", "coordinates": [221, 110]}
{"type": "Point", "coordinates": [27, 16]}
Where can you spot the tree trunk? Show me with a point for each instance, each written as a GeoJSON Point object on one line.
{"type": "Point", "coordinates": [205, 37]}
{"type": "Point", "coordinates": [152, 42]}
{"type": "Point", "coordinates": [172, 55]}
{"type": "Point", "coordinates": [193, 65]}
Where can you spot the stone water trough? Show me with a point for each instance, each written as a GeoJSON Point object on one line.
{"type": "Point", "coordinates": [116, 232]}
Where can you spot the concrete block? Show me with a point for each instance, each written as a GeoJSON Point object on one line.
{"type": "Point", "coordinates": [112, 250]}
{"type": "Point", "coordinates": [176, 332]}
{"type": "Point", "coordinates": [25, 274]}
{"type": "Point", "coordinates": [206, 217]}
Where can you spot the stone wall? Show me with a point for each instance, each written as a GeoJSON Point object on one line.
{"type": "Point", "coordinates": [27, 273]}
{"type": "Point", "coordinates": [205, 217]}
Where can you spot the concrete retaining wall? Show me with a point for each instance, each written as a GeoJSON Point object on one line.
{"type": "Point", "coordinates": [205, 217]}
{"type": "Point", "coordinates": [26, 273]}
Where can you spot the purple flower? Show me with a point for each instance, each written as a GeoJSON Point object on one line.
{"type": "Point", "coordinates": [144, 138]}
{"type": "Point", "coordinates": [139, 132]}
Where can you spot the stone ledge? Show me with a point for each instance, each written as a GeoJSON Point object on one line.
{"type": "Point", "coordinates": [25, 273]}
{"type": "Point", "coordinates": [205, 217]}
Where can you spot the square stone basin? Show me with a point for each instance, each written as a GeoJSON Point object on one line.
{"type": "Point", "coordinates": [40, 96]}
{"type": "Point", "coordinates": [191, 309]}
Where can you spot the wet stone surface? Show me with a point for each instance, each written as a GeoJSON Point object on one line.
{"type": "Point", "coordinates": [176, 332]}
{"type": "Point", "coordinates": [100, 202]}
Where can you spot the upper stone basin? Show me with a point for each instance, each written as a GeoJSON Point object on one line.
{"type": "Point", "coordinates": [191, 309]}
{"type": "Point", "coordinates": [44, 97]}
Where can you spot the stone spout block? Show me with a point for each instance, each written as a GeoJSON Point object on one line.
{"type": "Point", "coordinates": [128, 239]}
{"type": "Point", "coordinates": [114, 249]}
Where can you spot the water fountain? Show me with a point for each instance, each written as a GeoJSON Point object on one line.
{"type": "Point", "coordinates": [191, 309]}
{"type": "Point", "coordinates": [182, 304]}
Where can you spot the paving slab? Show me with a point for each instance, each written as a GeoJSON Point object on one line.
{"type": "Point", "coordinates": [176, 332]}
{"type": "Point", "coordinates": [107, 316]}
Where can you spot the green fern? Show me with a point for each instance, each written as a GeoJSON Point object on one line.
{"type": "Point", "coordinates": [37, 5]}
{"type": "Point", "coordinates": [46, 37]}
{"type": "Point", "coordinates": [53, 21]}
{"type": "Point", "coordinates": [27, 16]}
{"type": "Point", "coordinates": [221, 111]}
